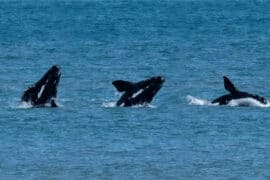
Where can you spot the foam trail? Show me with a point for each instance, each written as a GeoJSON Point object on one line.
{"type": "Point", "coordinates": [196, 101]}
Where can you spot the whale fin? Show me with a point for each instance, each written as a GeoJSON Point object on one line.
{"type": "Point", "coordinates": [53, 103]}
{"type": "Point", "coordinates": [122, 86]}
{"type": "Point", "coordinates": [229, 86]}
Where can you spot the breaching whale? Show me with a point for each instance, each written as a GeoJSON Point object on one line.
{"type": "Point", "coordinates": [138, 93]}
{"type": "Point", "coordinates": [236, 94]}
{"type": "Point", "coordinates": [45, 90]}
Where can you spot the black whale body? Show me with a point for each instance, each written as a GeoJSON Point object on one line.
{"type": "Point", "coordinates": [138, 93]}
{"type": "Point", "coordinates": [235, 94]}
{"type": "Point", "coordinates": [45, 90]}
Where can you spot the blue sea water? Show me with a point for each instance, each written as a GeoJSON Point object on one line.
{"type": "Point", "coordinates": [192, 43]}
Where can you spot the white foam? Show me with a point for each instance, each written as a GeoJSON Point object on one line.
{"type": "Point", "coordinates": [17, 104]}
{"type": "Point", "coordinates": [23, 105]}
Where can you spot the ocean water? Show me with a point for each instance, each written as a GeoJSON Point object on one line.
{"type": "Point", "coordinates": [192, 43]}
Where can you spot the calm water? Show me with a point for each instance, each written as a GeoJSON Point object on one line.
{"type": "Point", "coordinates": [192, 43]}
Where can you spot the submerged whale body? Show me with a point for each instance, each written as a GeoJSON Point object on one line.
{"type": "Point", "coordinates": [45, 90]}
{"type": "Point", "coordinates": [236, 94]}
{"type": "Point", "coordinates": [138, 93]}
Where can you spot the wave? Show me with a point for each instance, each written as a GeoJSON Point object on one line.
{"type": "Point", "coordinates": [236, 102]}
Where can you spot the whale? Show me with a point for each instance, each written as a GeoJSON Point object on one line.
{"type": "Point", "coordinates": [235, 94]}
{"type": "Point", "coordinates": [139, 93]}
{"type": "Point", "coordinates": [44, 91]}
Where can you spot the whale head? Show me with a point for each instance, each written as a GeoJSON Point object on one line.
{"type": "Point", "coordinates": [45, 90]}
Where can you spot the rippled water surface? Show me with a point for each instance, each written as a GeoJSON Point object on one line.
{"type": "Point", "coordinates": [192, 43]}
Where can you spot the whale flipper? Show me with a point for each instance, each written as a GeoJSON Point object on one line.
{"type": "Point", "coordinates": [53, 103]}
{"type": "Point", "coordinates": [30, 94]}
{"type": "Point", "coordinates": [122, 86]}
{"type": "Point", "coordinates": [229, 86]}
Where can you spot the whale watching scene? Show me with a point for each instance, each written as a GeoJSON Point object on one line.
{"type": "Point", "coordinates": [135, 89]}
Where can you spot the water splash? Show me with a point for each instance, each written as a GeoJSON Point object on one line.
{"type": "Point", "coordinates": [197, 101]}
{"type": "Point", "coordinates": [27, 105]}
{"type": "Point", "coordinates": [22, 105]}
{"type": "Point", "coordinates": [109, 104]}
{"type": "Point", "coordinates": [146, 105]}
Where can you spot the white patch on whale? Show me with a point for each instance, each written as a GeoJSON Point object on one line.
{"type": "Point", "coordinates": [41, 91]}
{"type": "Point", "coordinates": [137, 93]}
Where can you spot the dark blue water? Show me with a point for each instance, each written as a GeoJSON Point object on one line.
{"type": "Point", "coordinates": [192, 43]}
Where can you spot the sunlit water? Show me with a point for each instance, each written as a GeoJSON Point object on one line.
{"type": "Point", "coordinates": [181, 135]}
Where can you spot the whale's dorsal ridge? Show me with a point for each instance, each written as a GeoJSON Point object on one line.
{"type": "Point", "coordinates": [228, 85]}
